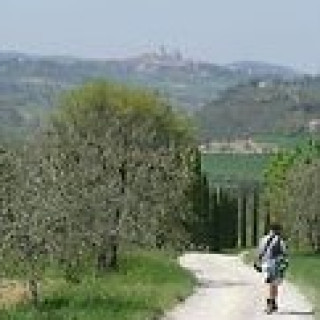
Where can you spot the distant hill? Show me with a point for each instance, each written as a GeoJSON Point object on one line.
{"type": "Point", "coordinates": [261, 107]}
{"type": "Point", "coordinates": [262, 69]}
{"type": "Point", "coordinates": [188, 82]}
{"type": "Point", "coordinates": [30, 85]}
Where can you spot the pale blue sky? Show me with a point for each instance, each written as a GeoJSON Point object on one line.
{"type": "Point", "coordinates": [280, 31]}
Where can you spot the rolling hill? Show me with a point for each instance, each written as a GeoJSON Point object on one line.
{"type": "Point", "coordinates": [261, 107]}
{"type": "Point", "coordinates": [262, 69]}
{"type": "Point", "coordinates": [30, 85]}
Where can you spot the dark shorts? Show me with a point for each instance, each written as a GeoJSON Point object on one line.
{"type": "Point", "coordinates": [271, 272]}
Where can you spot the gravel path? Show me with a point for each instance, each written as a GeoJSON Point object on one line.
{"type": "Point", "coordinates": [230, 290]}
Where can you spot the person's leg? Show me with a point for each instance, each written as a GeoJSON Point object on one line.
{"type": "Point", "coordinates": [273, 291]}
{"type": "Point", "coordinates": [274, 295]}
{"type": "Point", "coordinates": [271, 287]}
{"type": "Point", "coordinates": [269, 306]}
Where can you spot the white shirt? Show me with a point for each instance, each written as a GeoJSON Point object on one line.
{"type": "Point", "coordinates": [269, 254]}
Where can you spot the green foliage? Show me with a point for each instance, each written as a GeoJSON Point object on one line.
{"type": "Point", "coordinates": [304, 270]}
{"type": "Point", "coordinates": [292, 193]}
{"type": "Point", "coordinates": [233, 185]}
{"type": "Point", "coordinates": [283, 141]}
{"type": "Point", "coordinates": [261, 108]}
{"type": "Point", "coordinates": [29, 85]}
{"type": "Point", "coordinates": [114, 166]}
{"type": "Point", "coordinates": [124, 102]}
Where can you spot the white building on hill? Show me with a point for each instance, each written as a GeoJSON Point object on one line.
{"type": "Point", "coordinates": [314, 125]}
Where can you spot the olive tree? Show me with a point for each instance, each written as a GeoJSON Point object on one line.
{"type": "Point", "coordinates": [125, 155]}
{"type": "Point", "coordinates": [112, 166]}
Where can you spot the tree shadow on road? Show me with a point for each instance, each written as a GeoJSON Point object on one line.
{"type": "Point", "coordinates": [205, 283]}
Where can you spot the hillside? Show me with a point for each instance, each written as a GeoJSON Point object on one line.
{"type": "Point", "coordinates": [30, 85]}
{"type": "Point", "coordinates": [261, 107]}
{"type": "Point", "coordinates": [262, 69]}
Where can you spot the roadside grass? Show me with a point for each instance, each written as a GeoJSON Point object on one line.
{"type": "Point", "coordinates": [146, 284]}
{"type": "Point", "coordinates": [232, 251]}
{"type": "Point", "coordinates": [304, 271]}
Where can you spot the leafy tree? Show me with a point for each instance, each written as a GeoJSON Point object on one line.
{"type": "Point", "coordinates": [128, 149]}
{"type": "Point", "coordinates": [292, 192]}
{"type": "Point", "coordinates": [113, 167]}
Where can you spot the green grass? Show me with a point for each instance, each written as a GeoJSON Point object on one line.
{"type": "Point", "coordinates": [234, 167]}
{"type": "Point", "coordinates": [305, 272]}
{"type": "Point", "coordinates": [247, 167]}
{"type": "Point", "coordinates": [283, 141]}
{"type": "Point", "coordinates": [145, 285]}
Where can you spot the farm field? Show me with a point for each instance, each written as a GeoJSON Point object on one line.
{"type": "Point", "coordinates": [234, 167]}
{"type": "Point", "coordinates": [283, 141]}
{"type": "Point", "coordinates": [224, 167]}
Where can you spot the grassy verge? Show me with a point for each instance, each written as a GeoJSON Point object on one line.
{"type": "Point", "coordinates": [145, 285]}
{"type": "Point", "coordinates": [304, 271]}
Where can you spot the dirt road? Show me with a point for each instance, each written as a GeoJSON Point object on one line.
{"type": "Point", "coordinates": [230, 290]}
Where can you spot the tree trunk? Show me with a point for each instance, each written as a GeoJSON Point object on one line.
{"type": "Point", "coordinates": [239, 219]}
{"type": "Point", "coordinates": [244, 220]}
{"type": "Point", "coordinates": [34, 291]}
{"type": "Point", "coordinates": [110, 261]}
{"type": "Point", "coordinates": [216, 223]}
{"type": "Point", "coordinates": [255, 217]}
{"type": "Point", "coordinates": [114, 246]}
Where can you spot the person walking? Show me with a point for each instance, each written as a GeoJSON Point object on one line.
{"type": "Point", "coordinates": [272, 263]}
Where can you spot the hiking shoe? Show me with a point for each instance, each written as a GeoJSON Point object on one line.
{"type": "Point", "coordinates": [274, 305]}
{"type": "Point", "coordinates": [271, 306]}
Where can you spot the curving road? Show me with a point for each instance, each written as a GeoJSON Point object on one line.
{"type": "Point", "coordinates": [230, 290]}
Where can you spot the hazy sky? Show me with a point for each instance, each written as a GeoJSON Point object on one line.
{"type": "Point", "coordinates": [280, 31]}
